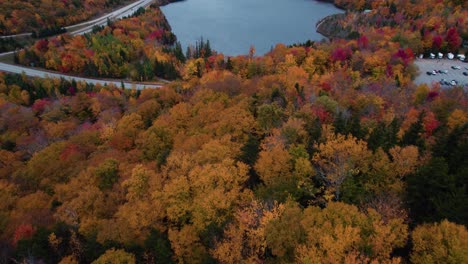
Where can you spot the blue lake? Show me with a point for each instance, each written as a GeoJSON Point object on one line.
{"type": "Point", "coordinates": [232, 26]}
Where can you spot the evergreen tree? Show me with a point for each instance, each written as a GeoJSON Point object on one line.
{"type": "Point", "coordinates": [433, 194]}
{"type": "Point", "coordinates": [413, 135]}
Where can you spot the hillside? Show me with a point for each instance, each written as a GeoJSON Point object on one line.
{"type": "Point", "coordinates": [322, 152]}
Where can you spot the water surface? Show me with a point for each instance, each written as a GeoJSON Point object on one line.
{"type": "Point", "coordinates": [232, 26]}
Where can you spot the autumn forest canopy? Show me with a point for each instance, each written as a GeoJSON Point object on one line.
{"type": "Point", "coordinates": [320, 152]}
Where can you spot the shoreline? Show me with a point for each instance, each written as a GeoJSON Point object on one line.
{"type": "Point", "coordinates": [330, 28]}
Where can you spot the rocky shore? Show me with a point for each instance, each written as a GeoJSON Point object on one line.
{"type": "Point", "coordinates": [331, 27]}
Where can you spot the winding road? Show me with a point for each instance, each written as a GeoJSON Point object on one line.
{"type": "Point", "coordinates": [32, 72]}
{"type": "Point", "coordinates": [80, 29]}
{"type": "Point", "coordinates": [102, 21]}
{"type": "Point", "coordinates": [87, 26]}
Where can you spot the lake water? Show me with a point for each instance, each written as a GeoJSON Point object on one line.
{"type": "Point", "coordinates": [232, 26]}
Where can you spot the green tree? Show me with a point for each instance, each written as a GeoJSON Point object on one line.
{"type": "Point", "coordinates": [156, 144]}
{"type": "Point", "coordinates": [107, 173]}
{"type": "Point", "coordinates": [269, 116]}
{"type": "Point", "coordinates": [159, 246]}
{"type": "Point", "coordinates": [447, 198]}
{"type": "Point", "coordinates": [413, 135]}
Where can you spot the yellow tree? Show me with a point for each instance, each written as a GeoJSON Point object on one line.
{"type": "Point", "coordinates": [457, 118]}
{"type": "Point", "coordinates": [115, 256]}
{"type": "Point", "coordinates": [387, 171]}
{"type": "Point", "coordinates": [283, 234]}
{"type": "Point", "coordinates": [273, 163]}
{"type": "Point", "coordinates": [339, 158]}
{"type": "Point", "coordinates": [126, 131]}
{"type": "Point", "coordinates": [284, 172]}
{"type": "Point", "coordinates": [142, 211]}
{"type": "Point", "coordinates": [83, 203]}
{"type": "Point", "coordinates": [340, 233]}
{"type": "Point", "coordinates": [204, 189]}
{"type": "Point", "coordinates": [205, 194]}
{"type": "Point", "coordinates": [244, 239]}
{"type": "Point", "coordinates": [443, 242]}
{"type": "Point", "coordinates": [187, 245]}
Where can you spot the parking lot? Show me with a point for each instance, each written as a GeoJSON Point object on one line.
{"type": "Point", "coordinates": [430, 65]}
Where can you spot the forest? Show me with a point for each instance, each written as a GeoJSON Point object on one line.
{"type": "Point", "coordinates": [137, 47]}
{"type": "Point", "coordinates": [321, 152]}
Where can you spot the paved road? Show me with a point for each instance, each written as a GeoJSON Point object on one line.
{"type": "Point", "coordinates": [17, 35]}
{"type": "Point", "coordinates": [429, 65]}
{"type": "Point", "coordinates": [87, 26]}
{"type": "Point", "coordinates": [102, 21]}
{"type": "Point", "coordinates": [48, 74]}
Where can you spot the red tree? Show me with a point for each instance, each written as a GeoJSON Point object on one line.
{"type": "Point", "coordinates": [453, 39]}
{"type": "Point", "coordinates": [23, 231]}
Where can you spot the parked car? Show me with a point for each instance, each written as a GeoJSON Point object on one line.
{"type": "Point", "coordinates": [456, 67]}
{"type": "Point", "coordinates": [465, 73]}
{"type": "Point", "coordinates": [453, 82]}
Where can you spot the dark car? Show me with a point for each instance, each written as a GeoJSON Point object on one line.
{"type": "Point", "coordinates": [465, 73]}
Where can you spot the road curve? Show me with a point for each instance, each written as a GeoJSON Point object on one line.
{"type": "Point", "coordinates": [100, 21]}
{"type": "Point", "coordinates": [49, 74]}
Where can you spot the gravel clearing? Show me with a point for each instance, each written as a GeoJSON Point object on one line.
{"type": "Point", "coordinates": [430, 65]}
